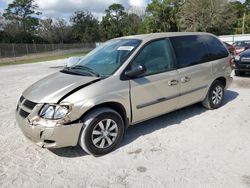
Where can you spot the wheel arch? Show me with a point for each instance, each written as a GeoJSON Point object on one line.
{"type": "Point", "coordinates": [222, 80]}
{"type": "Point", "coordinates": [116, 106]}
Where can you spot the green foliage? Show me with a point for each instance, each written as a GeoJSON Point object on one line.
{"type": "Point", "coordinates": [161, 15]}
{"type": "Point", "coordinates": [114, 21]}
{"type": "Point", "coordinates": [20, 24]}
{"type": "Point", "coordinates": [132, 23]}
{"type": "Point", "coordinates": [216, 16]}
{"type": "Point", "coordinates": [22, 11]}
{"type": "Point", "coordinates": [5, 37]}
{"type": "Point", "coordinates": [85, 27]}
{"type": "Point", "coordinates": [55, 31]}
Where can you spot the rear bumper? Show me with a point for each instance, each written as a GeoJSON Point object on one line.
{"type": "Point", "coordinates": [55, 137]}
{"type": "Point", "coordinates": [229, 81]}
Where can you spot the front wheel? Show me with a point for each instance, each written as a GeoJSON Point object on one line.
{"type": "Point", "coordinates": [104, 130]}
{"type": "Point", "coordinates": [215, 96]}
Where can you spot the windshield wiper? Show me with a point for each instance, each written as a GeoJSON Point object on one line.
{"type": "Point", "coordinates": [84, 69]}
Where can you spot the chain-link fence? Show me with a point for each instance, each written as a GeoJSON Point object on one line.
{"type": "Point", "coordinates": [17, 50]}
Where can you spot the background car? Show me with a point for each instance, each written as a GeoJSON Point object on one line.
{"type": "Point", "coordinates": [242, 63]}
{"type": "Point", "coordinates": [241, 46]}
{"type": "Point", "coordinates": [230, 48]}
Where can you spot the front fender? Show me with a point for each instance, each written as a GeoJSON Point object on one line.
{"type": "Point", "coordinates": [109, 90]}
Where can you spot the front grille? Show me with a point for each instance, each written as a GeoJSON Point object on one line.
{"type": "Point", "coordinates": [247, 60]}
{"type": "Point", "coordinates": [21, 99]}
{"type": "Point", "coordinates": [23, 113]}
{"type": "Point", "coordinates": [29, 104]}
{"type": "Point", "coordinates": [25, 104]}
{"type": "Point", "coordinates": [244, 63]}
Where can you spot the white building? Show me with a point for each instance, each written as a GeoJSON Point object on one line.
{"type": "Point", "coordinates": [232, 38]}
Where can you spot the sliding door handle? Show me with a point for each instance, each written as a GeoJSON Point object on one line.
{"type": "Point", "coordinates": [185, 79]}
{"type": "Point", "coordinates": [173, 82]}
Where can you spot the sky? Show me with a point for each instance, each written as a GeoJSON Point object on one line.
{"type": "Point", "coordinates": [65, 8]}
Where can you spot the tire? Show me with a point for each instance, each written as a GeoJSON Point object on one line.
{"type": "Point", "coordinates": [237, 73]}
{"type": "Point", "coordinates": [215, 96]}
{"type": "Point", "coordinates": [103, 131]}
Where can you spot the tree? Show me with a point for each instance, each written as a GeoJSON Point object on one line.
{"type": "Point", "coordinates": [214, 16]}
{"type": "Point", "coordinates": [114, 21]}
{"type": "Point", "coordinates": [161, 15]}
{"type": "Point", "coordinates": [46, 29]}
{"type": "Point", "coordinates": [132, 24]}
{"type": "Point", "coordinates": [62, 31]}
{"type": "Point", "coordinates": [85, 27]}
{"type": "Point", "coordinates": [246, 8]}
{"type": "Point", "coordinates": [55, 31]}
{"type": "Point", "coordinates": [21, 12]}
{"type": "Point", "coordinates": [1, 22]}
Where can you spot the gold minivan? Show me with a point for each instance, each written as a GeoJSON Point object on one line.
{"type": "Point", "coordinates": [123, 82]}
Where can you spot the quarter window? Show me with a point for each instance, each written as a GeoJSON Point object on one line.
{"type": "Point", "coordinates": [216, 49]}
{"type": "Point", "coordinates": [156, 57]}
{"type": "Point", "coordinates": [189, 50]}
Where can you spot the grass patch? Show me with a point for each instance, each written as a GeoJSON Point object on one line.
{"type": "Point", "coordinates": [41, 59]}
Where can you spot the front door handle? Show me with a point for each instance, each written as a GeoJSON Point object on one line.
{"type": "Point", "coordinates": [173, 82]}
{"type": "Point", "coordinates": [185, 79]}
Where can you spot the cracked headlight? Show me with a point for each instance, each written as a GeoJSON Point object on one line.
{"type": "Point", "coordinates": [54, 111]}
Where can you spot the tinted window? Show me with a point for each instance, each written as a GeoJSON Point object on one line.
{"type": "Point", "coordinates": [242, 44]}
{"type": "Point", "coordinates": [156, 57]}
{"type": "Point", "coordinates": [216, 49]}
{"type": "Point", "coordinates": [189, 50]}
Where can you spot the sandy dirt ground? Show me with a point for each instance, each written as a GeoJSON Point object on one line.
{"type": "Point", "coordinates": [191, 147]}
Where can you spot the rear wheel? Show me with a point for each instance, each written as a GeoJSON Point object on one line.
{"type": "Point", "coordinates": [215, 95]}
{"type": "Point", "coordinates": [104, 130]}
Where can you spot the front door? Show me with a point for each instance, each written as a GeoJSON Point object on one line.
{"type": "Point", "coordinates": [156, 91]}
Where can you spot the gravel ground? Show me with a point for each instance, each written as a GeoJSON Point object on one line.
{"type": "Point", "coordinates": [191, 147]}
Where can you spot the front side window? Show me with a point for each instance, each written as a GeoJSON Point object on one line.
{"type": "Point", "coordinates": [189, 50]}
{"type": "Point", "coordinates": [156, 57]}
{"type": "Point", "coordinates": [106, 59]}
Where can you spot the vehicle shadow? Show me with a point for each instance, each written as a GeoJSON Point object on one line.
{"type": "Point", "coordinates": [69, 152]}
{"type": "Point", "coordinates": [169, 119]}
{"type": "Point", "coordinates": [150, 126]}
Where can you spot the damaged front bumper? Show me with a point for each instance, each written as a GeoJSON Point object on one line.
{"type": "Point", "coordinates": [55, 135]}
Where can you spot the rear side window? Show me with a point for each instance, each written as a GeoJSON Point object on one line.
{"type": "Point", "coordinates": [216, 49]}
{"type": "Point", "coordinates": [189, 50]}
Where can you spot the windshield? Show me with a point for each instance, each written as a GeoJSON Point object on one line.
{"type": "Point", "coordinates": [242, 43]}
{"type": "Point", "coordinates": [105, 59]}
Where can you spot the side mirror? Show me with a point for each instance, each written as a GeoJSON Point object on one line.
{"type": "Point", "coordinates": [136, 71]}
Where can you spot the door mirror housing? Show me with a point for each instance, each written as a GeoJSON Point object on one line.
{"type": "Point", "coordinates": [136, 71]}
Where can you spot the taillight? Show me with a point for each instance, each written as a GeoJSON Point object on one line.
{"type": "Point", "coordinates": [231, 62]}
{"type": "Point", "coordinates": [239, 50]}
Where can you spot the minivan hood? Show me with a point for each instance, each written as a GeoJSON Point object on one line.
{"type": "Point", "coordinates": [55, 86]}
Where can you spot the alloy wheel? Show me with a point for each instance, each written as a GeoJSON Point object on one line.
{"type": "Point", "coordinates": [104, 133]}
{"type": "Point", "coordinates": [217, 95]}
